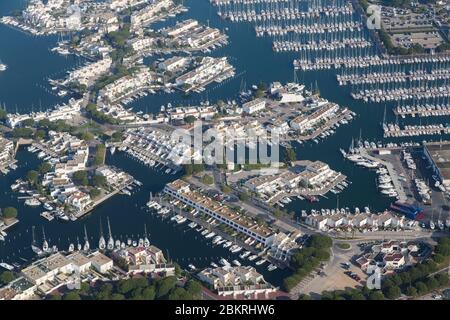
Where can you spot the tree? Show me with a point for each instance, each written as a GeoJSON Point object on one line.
{"type": "Point", "coordinates": [165, 285]}
{"type": "Point", "coordinates": [421, 287]}
{"type": "Point", "coordinates": [179, 294]}
{"type": "Point", "coordinates": [304, 296]}
{"type": "Point", "coordinates": [244, 196]}
{"type": "Point", "coordinates": [189, 119]}
{"type": "Point", "coordinates": [99, 154]}
{"type": "Point", "coordinates": [225, 188]}
{"type": "Point", "coordinates": [194, 288]}
{"type": "Point", "coordinates": [94, 193]}
{"type": "Point", "coordinates": [289, 283]}
{"type": "Point", "coordinates": [393, 292]}
{"type": "Point", "coordinates": [207, 179]}
{"type": "Point", "coordinates": [55, 296]}
{"type": "Point", "coordinates": [357, 296]}
{"type": "Point", "coordinates": [32, 176]}
{"type": "Point", "coordinates": [84, 288]}
{"type": "Point", "coordinates": [411, 291]}
{"type": "Point", "coordinates": [442, 279]}
{"type": "Point", "coordinates": [28, 122]}
{"type": "Point", "coordinates": [117, 136]}
{"type": "Point", "coordinates": [73, 295]}
{"type": "Point", "coordinates": [125, 286]}
{"type": "Point", "coordinates": [376, 295]}
{"type": "Point", "coordinates": [9, 213]}
{"type": "Point", "coordinates": [99, 180]}
{"type": "Point", "coordinates": [22, 132]}
{"type": "Point", "coordinates": [80, 177]}
{"type": "Point", "coordinates": [432, 283]}
{"type": "Point", "coordinates": [117, 296]}
{"type": "Point", "coordinates": [290, 155]}
{"type": "Point", "coordinates": [149, 293]}
{"type": "Point", "coordinates": [6, 277]}
{"type": "Point", "coordinates": [320, 242]}
{"type": "Point", "coordinates": [39, 134]}
{"type": "Point", "coordinates": [87, 136]}
{"type": "Point", "coordinates": [188, 169]}
{"type": "Point", "coordinates": [44, 167]}
{"type": "Point", "coordinates": [105, 292]}
{"type": "Point", "coordinates": [438, 258]}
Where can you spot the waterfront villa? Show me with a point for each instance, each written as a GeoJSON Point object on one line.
{"type": "Point", "coordinates": [231, 281]}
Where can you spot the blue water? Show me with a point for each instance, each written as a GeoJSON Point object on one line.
{"type": "Point", "coordinates": [24, 85]}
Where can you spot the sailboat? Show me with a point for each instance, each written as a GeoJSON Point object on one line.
{"type": "Point", "coordinates": [79, 246]}
{"type": "Point", "coordinates": [34, 247]}
{"type": "Point", "coordinates": [146, 240]}
{"type": "Point", "coordinates": [110, 245]}
{"type": "Point", "coordinates": [432, 225]}
{"type": "Point", "coordinates": [440, 224]}
{"type": "Point", "coordinates": [3, 66]}
{"type": "Point", "coordinates": [71, 248]}
{"type": "Point", "coordinates": [101, 241]}
{"type": "Point", "coordinates": [86, 246]}
{"type": "Point", "coordinates": [45, 246]}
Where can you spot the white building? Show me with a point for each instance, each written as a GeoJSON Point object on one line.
{"type": "Point", "coordinates": [6, 150]}
{"type": "Point", "coordinates": [146, 15]}
{"type": "Point", "coordinates": [181, 191]}
{"type": "Point", "coordinates": [88, 73]}
{"type": "Point", "coordinates": [100, 262]}
{"type": "Point", "coordinates": [254, 106]}
{"type": "Point", "coordinates": [64, 112]}
{"type": "Point", "coordinates": [173, 63]}
{"type": "Point", "coordinates": [308, 121]}
{"type": "Point", "coordinates": [181, 28]}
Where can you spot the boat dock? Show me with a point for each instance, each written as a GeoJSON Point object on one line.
{"type": "Point", "coordinates": [44, 149]}
{"type": "Point", "coordinates": [327, 126]}
{"type": "Point", "coordinates": [104, 198]}
{"type": "Point", "coordinates": [392, 173]}
{"type": "Point", "coordinates": [427, 110]}
{"type": "Point", "coordinates": [148, 155]}
{"type": "Point", "coordinates": [9, 223]}
{"type": "Point", "coordinates": [394, 130]}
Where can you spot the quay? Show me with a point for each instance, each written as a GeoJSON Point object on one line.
{"type": "Point", "coordinates": [99, 201]}
{"type": "Point", "coordinates": [328, 125]}
{"type": "Point", "coordinates": [392, 173]}
{"type": "Point", "coordinates": [22, 142]}
{"type": "Point", "coordinates": [8, 223]}
{"type": "Point", "coordinates": [223, 75]}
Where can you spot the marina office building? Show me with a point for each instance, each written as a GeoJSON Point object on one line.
{"type": "Point", "coordinates": [438, 154]}
{"type": "Point", "coordinates": [280, 245]}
